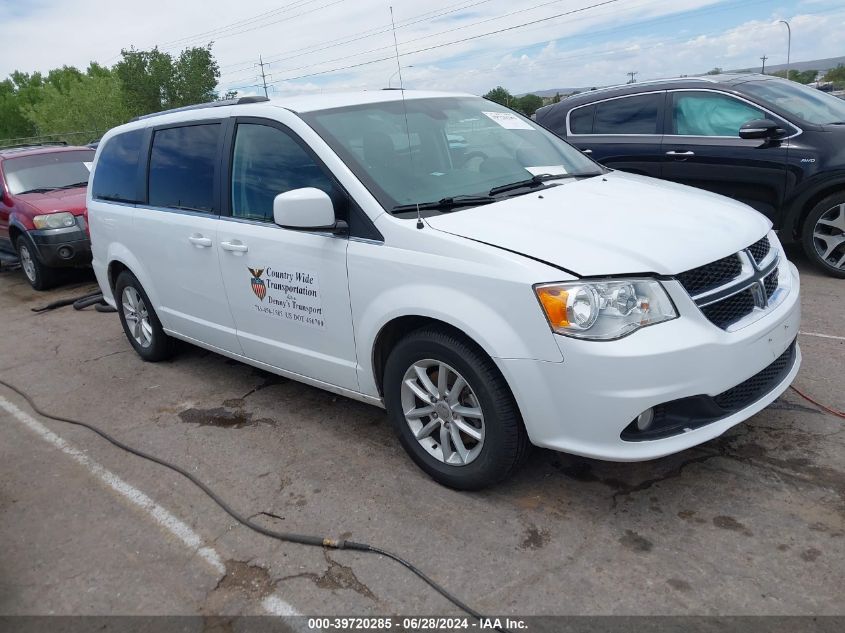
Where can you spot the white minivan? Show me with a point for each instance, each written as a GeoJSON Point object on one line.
{"type": "Point", "coordinates": [448, 259]}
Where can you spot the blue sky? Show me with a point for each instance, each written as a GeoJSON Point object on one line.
{"type": "Point", "coordinates": [303, 39]}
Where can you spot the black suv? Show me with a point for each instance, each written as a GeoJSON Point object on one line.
{"type": "Point", "coordinates": [774, 144]}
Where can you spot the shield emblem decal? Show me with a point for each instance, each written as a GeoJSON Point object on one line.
{"type": "Point", "coordinates": [258, 286]}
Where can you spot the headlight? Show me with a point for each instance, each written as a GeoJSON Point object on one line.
{"type": "Point", "coordinates": [604, 309]}
{"type": "Point", "coordinates": [54, 221]}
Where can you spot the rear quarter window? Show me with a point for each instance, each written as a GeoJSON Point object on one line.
{"type": "Point", "coordinates": [116, 172]}
{"type": "Point", "coordinates": [581, 120]}
{"type": "Point", "coordinates": [628, 115]}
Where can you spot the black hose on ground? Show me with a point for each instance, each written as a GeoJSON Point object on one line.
{"type": "Point", "coordinates": [290, 537]}
{"type": "Point", "coordinates": [79, 303]}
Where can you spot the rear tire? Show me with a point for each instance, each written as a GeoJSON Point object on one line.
{"type": "Point", "coordinates": [139, 320]}
{"type": "Point", "coordinates": [38, 275]}
{"type": "Point", "coordinates": [466, 435]}
{"type": "Point", "coordinates": [823, 235]}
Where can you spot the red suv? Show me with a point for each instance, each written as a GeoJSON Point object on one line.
{"type": "Point", "coordinates": [43, 219]}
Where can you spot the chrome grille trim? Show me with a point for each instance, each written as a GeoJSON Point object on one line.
{"type": "Point", "coordinates": [765, 281]}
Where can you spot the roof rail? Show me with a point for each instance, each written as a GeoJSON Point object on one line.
{"type": "Point", "coordinates": [643, 83]}
{"type": "Point", "coordinates": [42, 144]}
{"type": "Point", "coordinates": [210, 104]}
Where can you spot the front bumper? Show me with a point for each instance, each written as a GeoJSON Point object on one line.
{"type": "Point", "coordinates": [584, 404]}
{"type": "Point", "coordinates": [64, 247]}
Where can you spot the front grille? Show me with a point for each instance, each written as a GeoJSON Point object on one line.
{"type": "Point", "coordinates": [711, 275]}
{"type": "Point", "coordinates": [728, 311]}
{"type": "Point", "coordinates": [771, 284]}
{"type": "Point", "coordinates": [730, 288]}
{"type": "Point", "coordinates": [758, 385]}
{"type": "Point", "coordinates": [760, 249]}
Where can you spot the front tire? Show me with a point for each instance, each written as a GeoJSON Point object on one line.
{"type": "Point", "coordinates": [823, 235]}
{"type": "Point", "coordinates": [452, 410]}
{"type": "Point", "coordinates": [139, 320]}
{"type": "Point", "coordinates": [39, 276]}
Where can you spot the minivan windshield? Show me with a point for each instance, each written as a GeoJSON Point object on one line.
{"type": "Point", "coordinates": [40, 173]}
{"type": "Point", "coordinates": [809, 104]}
{"type": "Point", "coordinates": [454, 152]}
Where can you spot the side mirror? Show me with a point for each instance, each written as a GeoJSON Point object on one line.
{"type": "Point", "coordinates": [306, 209]}
{"type": "Point", "coordinates": [760, 129]}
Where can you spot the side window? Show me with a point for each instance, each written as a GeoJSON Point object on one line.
{"type": "Point", "coordinates": [266, 162]}
{"type": "Point", "coordinates": [628, 115]}
{"type": "Point", "coordinates": [116, 176]}
{"type": "Point", "coordinates": [710, 114]}
{"type": "Point", "coordinates": [581, 120]}
{"type": "Point", "coordinates": [182, 167]}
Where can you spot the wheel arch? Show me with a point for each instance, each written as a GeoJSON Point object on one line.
{"type": "Point", "coordinates": [807, 201]}
{"type": "Point", "coordinates": [397, 328]}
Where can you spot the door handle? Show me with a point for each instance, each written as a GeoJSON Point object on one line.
{"type": "Point", "coordinates": [234, 246]}
{"type": "Point", "coordinates": [199, 241]}
{"type": "Point", "coordinates": [586, 151]}
{"type": "Point", "coordinates": [675, 154]}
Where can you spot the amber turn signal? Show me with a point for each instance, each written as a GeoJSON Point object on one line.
{"type": "Point", "coordinates": [554, 302]}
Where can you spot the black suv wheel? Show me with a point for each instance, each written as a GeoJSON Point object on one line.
{"type": "Point", "coordinates": [823, 235]}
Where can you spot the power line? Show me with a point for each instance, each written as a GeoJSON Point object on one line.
{"type": "Point", "coordinates": [763, 70]}
{"type": "Point", "coordinates": [416, 19]}
{"type": "Point", "coordinates": [473, 37]}
{"type": "Point", "coordinates": [238, 23]}
{"type": "Point", "coordinates": [260, 26]}
{"type": "Point", "coordinates": [632, 74]}
{"type": "Point", "coordinates": [459, 41]}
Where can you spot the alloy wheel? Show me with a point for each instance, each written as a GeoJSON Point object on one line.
{"type": "Point", "coordinates": [829, 236]}
{"type": "Point", "coordinates": [27, 263]}
{"type": "Point", "coordinates": [443, 412]}
{"type": "Point", "coordinates": [137, 317]}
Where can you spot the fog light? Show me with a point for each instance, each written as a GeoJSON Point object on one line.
{"type": "Point", "coordinates": [65, 252]}
{"type": "Point", "coordinates": [645, 419]}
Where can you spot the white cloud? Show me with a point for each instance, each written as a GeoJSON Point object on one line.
{"type": "Point", "coordinates": [593, 47]}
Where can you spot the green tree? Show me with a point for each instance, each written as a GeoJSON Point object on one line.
{"type": "Point", "coordinates": [716, 71]}
{"type": "Point", "coordinates": [86, 107]}
{"type": "Point", "coordinates": [18, 92]}
{"type": "Point", "coordinates": [153, 80]}
{"type": "Point", "coordinates": [528, 104]}
{"type": "Point", "coordinates": [836, 76]}
{"type": "Point", "coordinates": [802, 76]}
{"type": "Point", "coordinates": [146, 79]}
{"type": "Point", "coordinates": [195, 75]}
{"type": "Point", "coordinates": [556, 98]}
{"type": "Point", "coordinates": [502, 96]}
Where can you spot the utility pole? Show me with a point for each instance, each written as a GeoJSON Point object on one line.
{"type": "Point", "coordinates": [263, 76]}
{"type": "Point", "coordinates": [633, 74]}
{"type": "Point", "coordinates": [764, 58]}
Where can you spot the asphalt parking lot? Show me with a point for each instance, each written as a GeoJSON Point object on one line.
{"type": "Point", "coordinates": [752, 523]}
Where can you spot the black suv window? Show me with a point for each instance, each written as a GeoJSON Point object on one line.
{"type": "Point", "coordinates": [266, 162]}
{"type": "Point", "coordinates": [116, 176]}
{"type": "Point", "coordinates": [710, 114]}
{"type": "Point", "coordinates": [628, 115]}
{"type": "Point", "coordinates": [581, 120]}
{"type": "Point", "coordinates": [183, 161]}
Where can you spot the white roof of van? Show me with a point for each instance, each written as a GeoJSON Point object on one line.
{"type": "Point", "coordinates": [325, 101]}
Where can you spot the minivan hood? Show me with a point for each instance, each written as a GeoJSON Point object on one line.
{"type": "Point", "coordinates": [613, 224]}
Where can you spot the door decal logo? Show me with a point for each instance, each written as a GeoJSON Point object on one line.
{"type": "Point", "coordinates": [258, 286]}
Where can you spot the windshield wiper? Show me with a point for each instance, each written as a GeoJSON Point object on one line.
{"type": "Point", "coordinates": [83, 183]}
{"type": "Point", "coordinates": [446, 203]}
{"type": "Point", "coordinates": [38, 190]}
{"type": "Point", "coordinates": [534, 181]}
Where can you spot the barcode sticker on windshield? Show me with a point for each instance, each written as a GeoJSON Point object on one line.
{"type": "Point", "coordinates": [508, 120]}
